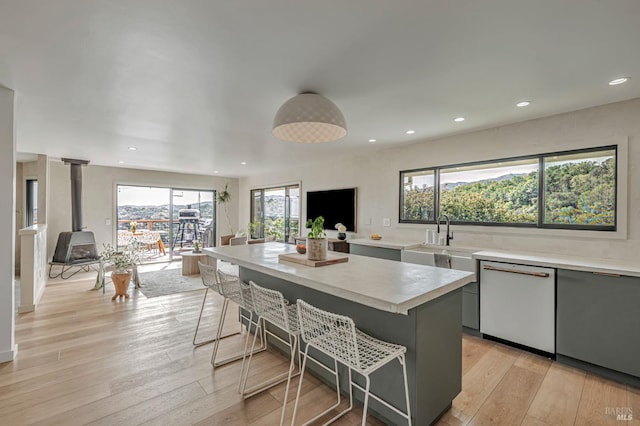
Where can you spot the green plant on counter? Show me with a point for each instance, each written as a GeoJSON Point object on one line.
{"type": "Point", "coordinates": [317, 228]}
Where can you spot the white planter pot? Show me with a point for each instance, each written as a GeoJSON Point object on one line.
{"type": "Point", "coordinates": [317, 248]}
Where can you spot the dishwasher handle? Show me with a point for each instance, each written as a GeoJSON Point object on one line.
{"type": "Point", "coordinates": [515, 271]}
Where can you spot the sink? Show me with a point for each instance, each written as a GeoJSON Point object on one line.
{"type": "Point", "coordinates": [460, 259]}
{"type": "Point", "coordinates": [453, 251]}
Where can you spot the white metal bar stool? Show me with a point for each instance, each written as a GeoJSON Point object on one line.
{"type": "Point", "coordinates": [210, 281]}
{"type": "Point", "coordinates": [233, 289]}
{"type": "Point", "coordinates": [272, 308]}
{"type": "Point", "coordinates": [337, 337]}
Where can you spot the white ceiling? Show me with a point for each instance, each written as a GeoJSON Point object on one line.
{"type": "Point", "coordinates": [194, 85]}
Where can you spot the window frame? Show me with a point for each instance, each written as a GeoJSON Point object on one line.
{"type": "Point", "coordinates": [287, 225]}
{"type": "Point", "coordinates": [478, 163]}
{"type": "Point", "coordinates": [542, 202]}
{"type": "Point", "coordinates": [541, 192]}
{"type": "Point", "coordinates": [436, 194]}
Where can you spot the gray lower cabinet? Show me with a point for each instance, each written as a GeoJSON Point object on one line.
{"type": "Point", "coordinates": [598, 320]}
{"type": "Point", "coordinates": [379, 252]}
{"type": "Point", "coordinates": [471, 306]}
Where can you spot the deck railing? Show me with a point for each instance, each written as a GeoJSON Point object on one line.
{"type": "Point", "coordinates": [161, 225]}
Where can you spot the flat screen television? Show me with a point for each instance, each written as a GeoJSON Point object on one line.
{"type": "Point", "coordinates": [336, 206]}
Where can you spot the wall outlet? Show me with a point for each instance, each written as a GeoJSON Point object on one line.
{"type": "Point", "coordinates": [107, 222]}
{"type": "Point", "coordinates": [386, 222]}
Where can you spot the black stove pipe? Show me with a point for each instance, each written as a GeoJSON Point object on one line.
{"type": "Point", "coordinates": [76, 192]}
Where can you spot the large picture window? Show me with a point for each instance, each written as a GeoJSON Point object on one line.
{"type": "Point", "coordinates": [572, 189]}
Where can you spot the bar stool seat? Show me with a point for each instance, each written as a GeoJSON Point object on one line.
{"type": "Point", "coordinates": [337, 337]}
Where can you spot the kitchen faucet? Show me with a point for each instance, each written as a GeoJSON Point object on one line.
{"type": "Point", "coordinates": [449, 237]}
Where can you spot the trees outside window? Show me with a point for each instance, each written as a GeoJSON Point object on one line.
{"type": "Point", "coordinates": [577, 190]}
{"type": "Point", "coordinates": [418, 192]}
{"type": "Point", "coordinates": [497, 192]}
{"type": "Point", "coordinates": [275, 212]}
{"type": "Point", "coordinates": [580, 189]}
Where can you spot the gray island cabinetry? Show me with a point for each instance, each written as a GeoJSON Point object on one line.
{"type": "Point", "coordinates": [389, 249]}
{"type": "Point", "coordinates": [470, 296]}
{"type": "Point", "coordinates": [417, 306]}
{"type": "Point", "coordinates": [598, 323]}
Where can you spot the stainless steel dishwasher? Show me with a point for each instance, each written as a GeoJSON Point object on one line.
{"type": "Point", "coordinates": [517, 304]}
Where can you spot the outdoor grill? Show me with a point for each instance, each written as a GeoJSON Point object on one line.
{"type": "Point", "coordinates": [189, 215]}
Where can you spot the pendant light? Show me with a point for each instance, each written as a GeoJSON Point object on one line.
{"type": "Point", "coordinates": [309, 118]}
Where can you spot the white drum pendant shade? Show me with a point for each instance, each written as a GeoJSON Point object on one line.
{"type": "Point", "coordinates": [309, 118]}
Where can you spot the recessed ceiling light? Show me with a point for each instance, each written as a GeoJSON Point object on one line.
{"type": "Point", "coordinates": [132, 148]}
{"type": "Point", "coordinates": [244, 163]}
{"type": "Point", "coordinates": [523, 104]}
{"type": "Point", "coordinates": [215, 171]}
{"type": "Point", "coordinates": [372, 140]}
{"type": "Point", "coordinates": [458, 119]}
{"type": "Point", "coordinates": [410, 132]}
{"type": "Point", "coordinates": [619, 81]}
{"type": "Point", "coordinates": [120, 162]}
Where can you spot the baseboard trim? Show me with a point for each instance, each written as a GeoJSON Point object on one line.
{"type": "Point", "coordinates": [8, 356]}
{"type": "Point", "coordinates": [26, 308]}
{"type": "Point", "coordinates": [618, 376]}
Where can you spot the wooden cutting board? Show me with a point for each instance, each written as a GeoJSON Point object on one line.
{"type": "Point", "coordinates": [331, 259]}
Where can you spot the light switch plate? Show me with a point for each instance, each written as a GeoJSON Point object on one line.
{"type": "Point", "coordinates": [386, 222]}
{"type": "Point", "coordinates": [107, 222]}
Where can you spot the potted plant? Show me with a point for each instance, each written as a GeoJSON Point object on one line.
{"type": "Point", "coordinates": [123, 263]}
{"type": "Point", "coordinates": [196, 246]}
{"type": "Point", "coordinates": [316, 241]}
{"type": "Point", "coordinates": [223, 197]}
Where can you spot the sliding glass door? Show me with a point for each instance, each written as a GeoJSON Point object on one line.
{"type": "Point", "coordinates": [164, 222]}
{"type": "Point", "coordinates": [193, 216]}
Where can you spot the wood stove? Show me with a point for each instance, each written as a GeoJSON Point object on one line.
{"type": "Point", "coordinates": [75, 248]}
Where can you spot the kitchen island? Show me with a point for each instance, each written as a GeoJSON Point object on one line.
{"type": "Point", "coordinates": [413, 305]}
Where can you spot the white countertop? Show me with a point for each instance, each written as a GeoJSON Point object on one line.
{"type": "Point", "coordinates": [386, 243]}
{"type": "Point", "coordinates": [382, 284]}
{"type": "Point", "coordinates": [605, 266]}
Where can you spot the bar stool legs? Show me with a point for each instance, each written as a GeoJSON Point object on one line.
{"type": "Point", "coordinates": [232, 289]}
{"type": "Point", "coordinates": [337, 337]}
{"type": "Point", "coordinates": [209, 281]}
{"type": "Point", "coordinates": [305, 357]}
{"type": "Point", "coordinates": [272, 308]}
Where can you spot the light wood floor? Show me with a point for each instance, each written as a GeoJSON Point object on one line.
{"type": "Point", "coordinates": [84, 359]}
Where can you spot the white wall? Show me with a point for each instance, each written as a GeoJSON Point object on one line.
{"type": "Point", "coordinates": [8, 348]}
{"type": "Point", "coordinates": [376, 175]}
{"type": "Point", "coordinates": [99, 197]}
